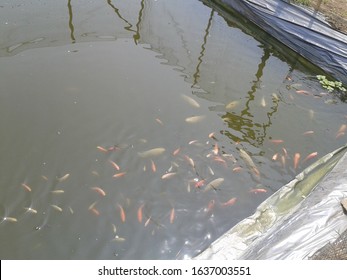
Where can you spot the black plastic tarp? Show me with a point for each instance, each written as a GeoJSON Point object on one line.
{"type": "Point", "coordinates": [303, 30]}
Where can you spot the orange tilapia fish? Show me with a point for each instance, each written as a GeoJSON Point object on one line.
{"type": "Point", "coordinates": [159, 121]}
{"type": "Point", "coordinates": [172, 215]}
{"type": "Point", "coordinates": [117, 175]}
{"type": "Point", "coordinates": [341, 131]}
{"type": "Point", "coordinates": [310, 156]}
{"type": "Point", "coordinates": [200, 183]}
{"type": "Point", "coordinates": [230, 202]}
{"type": "Point", "coordinates": [115, 165]}
{"type": "Point", "coordinates": [308, 132]}
{"type": "Point", "coordinates": [168, 175]}
{"type": "Point", "coordinates": [275, 157]}
{"type": "Point", "coordinates": [211, 205]}
{"type": "Point", "coordinates": [190, 161]}
{"type": "Point", "coordinates": [258, 190]}
{"type": "Point", "coordinates": [154, 168]}
{"type": "Point", "coordinates": [139, 213]}
{"type": "Point", "coordinates": [215, 149]}
{"type": "Point", "coordinates": [102, 149]}
{"type": "Point", "coordinates": [26, 187]}
{"type": "Point", "coordinates": [296, 160]}
{"type": "Point", "coordinates": [276, 141]}
{"type": "Point", "coordinates": [175, 152]}
{"type": "Point", "coordinates": [121, 213]}
{"type": "Point", "coordinates": [237, 169]}
{"type": "Point", "coordinates": [95, 211]}
{"type": "Point", "coordinates": [99, 190]}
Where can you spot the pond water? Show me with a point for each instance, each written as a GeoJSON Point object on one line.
{"type": "Point", "coordinates": [146, 129]}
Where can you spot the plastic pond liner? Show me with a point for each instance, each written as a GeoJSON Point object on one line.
{"type": "Point", "coordinates": [302, 29]}
{"type": "Point", "coordinates": [305, 219]}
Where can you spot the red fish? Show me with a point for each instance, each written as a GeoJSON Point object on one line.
{"type": "Point", "coordinates": [211, 135]}
{"type": "Point", "coordinates": [26, 187]}
{"type": "Point", "coordinates": [99, 190]}
{"type": "Point", "coordinates": [341, 131]}
{"type": "Point", "coordinates": [115, 165]}
{"type": "Point", "coordinates": [285, 152]}
{"type": "Point", "coordinates": [237, 169]}
{"type": "Point", "coordinates": [121, 174]}
{"type": "Point", "coordinates": [276, 141]}
{"type": "Point", "coordinates": [230, 202]}
{"type": "Point", "coordinates": [172, 215]}
{"type": "Point", "coordinates": [168, 175]}
{"type": "Point", "coordinates": [200, 183]}
{"type": "Point", "coordinates": [121, 213]}
{"type": "Point", "coordinates": [308, 132]}
{"type": "Point", "coordinates": [190, 161]}
{"type": "Point", "coordinates": [102, 149]}
{"type": "Point", "coordinates": [303, 92]}
{"type": "Point", "coordinates": [159, 121]}
{"type": "Point", "coordinates": [211, 205]}
{"type": "Point", "coordinates": [95, 211]}
{"type": "Point", "coordinates": [296, 160]}
{"type": "Point", "coordinates": [275, 157]}
{"type": "Point", "coordinates": [139, 213]}
{"type": "Point", "coordinates": [283, 160]}
{"type": "Point", "coordinates": [258, 191]}
{"type": "Point", "coordinates": [175, 152]}
{"type": "Point", "coordinates": [215, 149]}
{"type": "Point", "coordinates": [154, 168]}
{"type": "Point", "coordinates": [310, 156]}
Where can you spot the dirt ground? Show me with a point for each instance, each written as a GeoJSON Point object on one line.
{"type": "Point", "coordinates": [335, 12]}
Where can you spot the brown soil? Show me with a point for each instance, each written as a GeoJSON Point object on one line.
{"type": "Point", "coordinates": [335, 12]}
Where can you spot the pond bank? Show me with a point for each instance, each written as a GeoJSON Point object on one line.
{"type": "Point", "coordinates": [335, 11]}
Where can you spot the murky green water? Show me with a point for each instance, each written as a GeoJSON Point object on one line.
{"type": "Point", "coordinates": [88, 88]}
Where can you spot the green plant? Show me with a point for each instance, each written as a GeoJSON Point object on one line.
{"type": "Point", "coordinates": [330, 85]}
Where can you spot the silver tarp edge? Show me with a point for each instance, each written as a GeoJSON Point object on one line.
{"type": "Point", "coordinates": [294, 222]}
